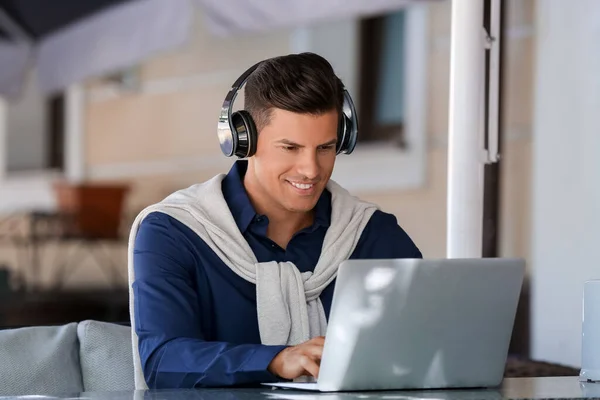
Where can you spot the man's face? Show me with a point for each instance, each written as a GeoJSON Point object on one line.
{"type": "Point", "coordinates": [294, 159]}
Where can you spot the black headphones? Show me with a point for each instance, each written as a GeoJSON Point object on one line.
{"type": "Point", "coordinates": [237, 132]}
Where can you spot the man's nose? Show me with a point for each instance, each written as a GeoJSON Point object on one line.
{"type": "Point", "coordinates": [309, 165]}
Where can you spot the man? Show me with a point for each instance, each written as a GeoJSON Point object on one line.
{"type": "Point", "coordinates": [233, 278]}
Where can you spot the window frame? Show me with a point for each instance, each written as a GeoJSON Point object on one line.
{"type": "Point", "coordinates": [29, 190]}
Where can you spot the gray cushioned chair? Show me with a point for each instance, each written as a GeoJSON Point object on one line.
{"type": "Point", "coordinates": [40, 360]}
{"type": "Point", "coordinates": [105, 355]}
{"type": "Point", "coordinates": [67, 359]}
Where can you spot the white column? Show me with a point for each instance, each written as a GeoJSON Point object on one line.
{"type": "Point", "coordinates": [74, 134]}
{"type": "Point", "coordinates": [465, 152]}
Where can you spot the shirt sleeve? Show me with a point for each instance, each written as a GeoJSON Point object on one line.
{"type": "Point", "coordinates": [384, 238]}
{"type": "Point", "coordinates": [172, 345]}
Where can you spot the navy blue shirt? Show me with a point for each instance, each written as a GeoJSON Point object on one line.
{"type": "Point", "coordinates": [196, 319]}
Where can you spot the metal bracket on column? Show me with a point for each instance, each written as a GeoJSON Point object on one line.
{"type": "Point", "coordinates": [492, 82]}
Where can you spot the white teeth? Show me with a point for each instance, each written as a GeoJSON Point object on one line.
{"type": "Point", "coordinates": [303, 186]}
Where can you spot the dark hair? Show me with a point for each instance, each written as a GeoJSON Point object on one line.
{"type": "Point", "coordinates": [303, 83]}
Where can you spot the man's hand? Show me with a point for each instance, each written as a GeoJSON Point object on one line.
{"type": "Point", "coordinates": [300, 360]}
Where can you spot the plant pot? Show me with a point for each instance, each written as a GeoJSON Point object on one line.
{"type": "Point", "coordinates": [91, 210]}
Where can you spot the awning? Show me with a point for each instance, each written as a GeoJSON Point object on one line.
{"type": "Point", "coordinates": [71, 40]}
{"type": "Point", "coordinates": [226, 17]}
{"type": "Point", "coordinates": [68, 41]}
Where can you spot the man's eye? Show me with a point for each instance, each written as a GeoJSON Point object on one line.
{"type": "Point", "coordinates": [327, 148]}
{"type": "Point", "coordinates": [289, 148]}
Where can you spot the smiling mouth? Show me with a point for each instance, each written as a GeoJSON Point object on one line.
{"type": "Point", "coordinates": [302, 186]}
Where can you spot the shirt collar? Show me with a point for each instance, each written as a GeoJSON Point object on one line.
{"type": "Point", "coordinates": [236, 197]}
{"type": "Point", "coordinates": [323, 210]}
{"type": "Point", "coordinates": [242, 210]}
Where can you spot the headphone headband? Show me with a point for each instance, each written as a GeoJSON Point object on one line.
{"type": "Point", "coordinates": [237, 134]}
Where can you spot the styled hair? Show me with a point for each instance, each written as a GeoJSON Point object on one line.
{"type": "Point", "coordinates": [303, 83]}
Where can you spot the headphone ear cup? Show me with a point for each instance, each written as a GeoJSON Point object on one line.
{"type": "Point", "coordinates": [351, 135]}
{"type": "Point", "coordinates": [245, 130]}
{"type": "Point", "coordinates": [343, 134]}
{"type": "Point", "coordinates": [347, 137]}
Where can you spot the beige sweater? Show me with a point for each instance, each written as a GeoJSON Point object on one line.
{"type": "Point", "coordinates": [289, 309]}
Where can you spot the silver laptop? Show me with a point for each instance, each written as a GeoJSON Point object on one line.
{"type": "Point", "coordinates": [419, 324]}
